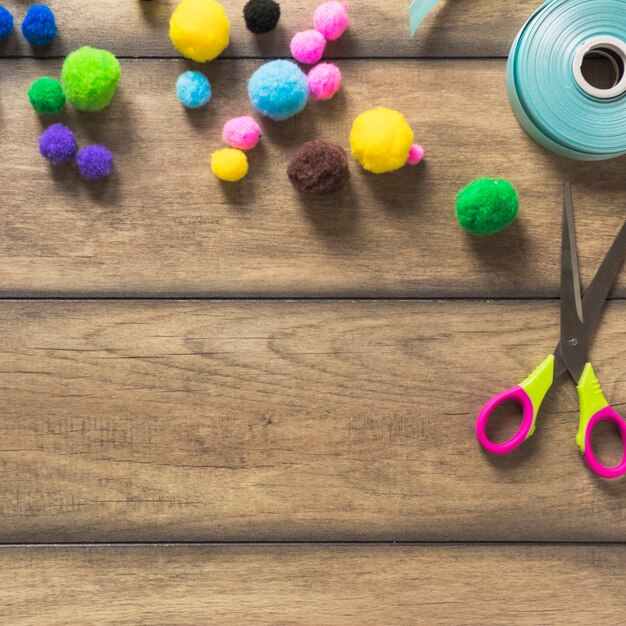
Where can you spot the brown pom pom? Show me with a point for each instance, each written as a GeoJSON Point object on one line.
{"type": "Point", "coordinates": [319, 168]}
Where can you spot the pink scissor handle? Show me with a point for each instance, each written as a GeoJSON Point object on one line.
{"type": "Point", "coordinates": [516, 394]}
{"type": "Point", "coordinates": [607, 414]}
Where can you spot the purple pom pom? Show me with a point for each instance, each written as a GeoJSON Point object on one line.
{"type": "Point", "coordinates": [57, 144]}
{"type": "Point", "coordinates": [94, 162]}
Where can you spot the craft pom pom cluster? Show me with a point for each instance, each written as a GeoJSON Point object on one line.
{"type": "Point", "coordinates": [380, 139]}
{"type": "Point", "coordinates": [89, 80]}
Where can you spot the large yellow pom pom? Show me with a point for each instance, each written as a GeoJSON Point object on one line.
{"type": "Point", "coordinates": [199, 29]}
{"type": "Point", "coordinates": [229, 164]}
{"type": "Point", "coordinates": [380, 140]}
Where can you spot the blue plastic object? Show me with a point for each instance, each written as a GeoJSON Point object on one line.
{"type": "Point", "coordinates": [549, 95]}
{"type": "Point", "coordinates": [418, 10]}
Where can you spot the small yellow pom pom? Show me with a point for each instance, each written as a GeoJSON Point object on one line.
{"type": "Point", "coordinates": [199, 29]}
{"type": "Point", "coordinates": [229, 164]}
{"type": "Point", "coordinates": [380, 140]}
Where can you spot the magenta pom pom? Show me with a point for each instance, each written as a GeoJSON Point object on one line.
{"type": "Point", "coordinates": [331, 19]}
{"type": "Point", "coordinates": [324, 81]}
{"type": "Point", "coordinates": [242, 132]}
{"type": "Point", "coordinates": [308, 46]}
{"type": "Point", "coordinates": [57, 144]}
{"type": "Point", "coordinates": [94, 162]}
{"type": "Point", "coordinates": [416, 154]}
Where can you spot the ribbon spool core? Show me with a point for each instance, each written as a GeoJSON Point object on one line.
{"type": "Point", "coordinates": [610, 49]}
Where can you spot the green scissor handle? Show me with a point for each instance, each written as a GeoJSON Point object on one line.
{"type": "Point", "coordinates": [529, 394]}
{"type": "Point", "coordinates": [594, 409]}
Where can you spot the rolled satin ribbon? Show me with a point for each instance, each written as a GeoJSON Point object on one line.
{"type": "Point", "coordinates": [551, 98]}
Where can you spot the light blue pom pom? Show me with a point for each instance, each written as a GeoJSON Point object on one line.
{"type": "Point", "coordinates": [278, 89]}
{"type": "Point", "coordinates": [193, 89]}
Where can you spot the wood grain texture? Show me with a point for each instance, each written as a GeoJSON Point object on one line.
{"type": "Point", "coordinates": [164, 226]}
{"type": "Point", "coordinates": [329, 585]}
{"type": "Point", "coordinates": [379, 29]}
{"type": "Point", "coordinates": [280, 421]}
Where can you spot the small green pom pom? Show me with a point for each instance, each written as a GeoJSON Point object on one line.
{"type": "Point", "coordinates": [486, 206]}
{"type": "Point", "coordinates": [46, 95]}
{"type": "Point", "coordinates": [90, 78]}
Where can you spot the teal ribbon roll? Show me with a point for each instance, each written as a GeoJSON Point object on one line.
{"type": "Point", "coordinates": [551, 98]}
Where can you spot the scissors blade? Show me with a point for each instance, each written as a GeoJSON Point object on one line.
{"type": "Point", "coordinates": [573, 344]}
{"type": "Point", "coordinates": [595, 296]}
{"type": "Point", "coordinates": [570, 269]}
{"type": "Point", "coordinates": [600, 287]}
{"type": "Point", "coordinates": [559, 364]}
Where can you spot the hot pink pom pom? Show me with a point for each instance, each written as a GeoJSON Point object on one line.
{"type": "Point", "coordinates": [416, 154]}
{"type": "Point", "coordinates": [242, 132]}
{"type": "Point", "coordinates": [308, 46]}
{"type": "Point", "coordinates": [331, 19]}
{"type": "Point", "coordinates": [324, 81]}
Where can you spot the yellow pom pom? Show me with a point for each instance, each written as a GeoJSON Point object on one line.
{"type": "Point", "coordinates": [199, 29]}
{"type": "Point", "coordinates": [380, 140]}
{"type": "Point", "coordinates": [229, 164]}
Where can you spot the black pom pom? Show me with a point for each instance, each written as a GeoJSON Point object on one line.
{"type": "Point", "coordinates": [261, 15]}
{"type": "Point", "coordinates": [319, 168]}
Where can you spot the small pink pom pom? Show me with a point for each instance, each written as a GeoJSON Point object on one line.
{"type": "Point", "coordinates": [324, 81]}
{"type": "Point", "coordinates": [308, 46]}
{"type": "Point", "coordinates": [416, 154]}
{"type": "Point", "coordinates": [331, 19]}
{"type": "Point", "coordinates": [242, 132]}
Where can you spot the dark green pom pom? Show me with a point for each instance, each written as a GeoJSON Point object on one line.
{"type": "Point", "coordinates": [486, 206]}
{"type": "Point", "coordinates": [46, 95]}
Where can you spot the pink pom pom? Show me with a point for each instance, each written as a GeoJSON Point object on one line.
{"type": "Point", "coordinates": [324, 81]}
{"type": "Point", "coordinates": [308, 46]}
{"type": "Point", "coordinates": [242, 132]}
{"type": "Point", "coordinates": [331, 19]}
{"type": "Point", "coordinates": [416, 154]}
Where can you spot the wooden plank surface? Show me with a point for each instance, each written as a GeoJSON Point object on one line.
{"type": "Point", "coordinates": [164, 226]}
{"type": "Point", "coordinates": [330, 585]}
{"type": "Point", "coordinates": [252, 421]}
{"type": "Point", "coordinates": [379, 29]}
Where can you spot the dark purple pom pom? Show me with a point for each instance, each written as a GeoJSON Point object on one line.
{"type": "Point", "coordinates": [57, 144]}
{"type": "Point", "coordinates": [94, 162]}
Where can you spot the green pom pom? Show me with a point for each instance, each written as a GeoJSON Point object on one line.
{"type": "Point", "coordinates": [46, 95]}
{"type": "Point", "coordinates": [486, 206]}
{"type": "Point", "coordinates": [90, 78]}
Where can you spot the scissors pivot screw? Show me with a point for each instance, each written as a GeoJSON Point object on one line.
{"type": "Point", "coordinates": [573, 342]}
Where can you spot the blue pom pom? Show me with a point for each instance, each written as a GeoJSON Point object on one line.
{"type": "Point", "coordinates": [39, 26]}
{"type": "Point", "coordinates": [193, 89]}
{"type": "Point", "coordinates": [278, 89]}
{"type": "Point", "coordinates": [6, 23]}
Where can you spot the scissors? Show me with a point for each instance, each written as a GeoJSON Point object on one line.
{"type": "Point", "coordinates": [579, 318]}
